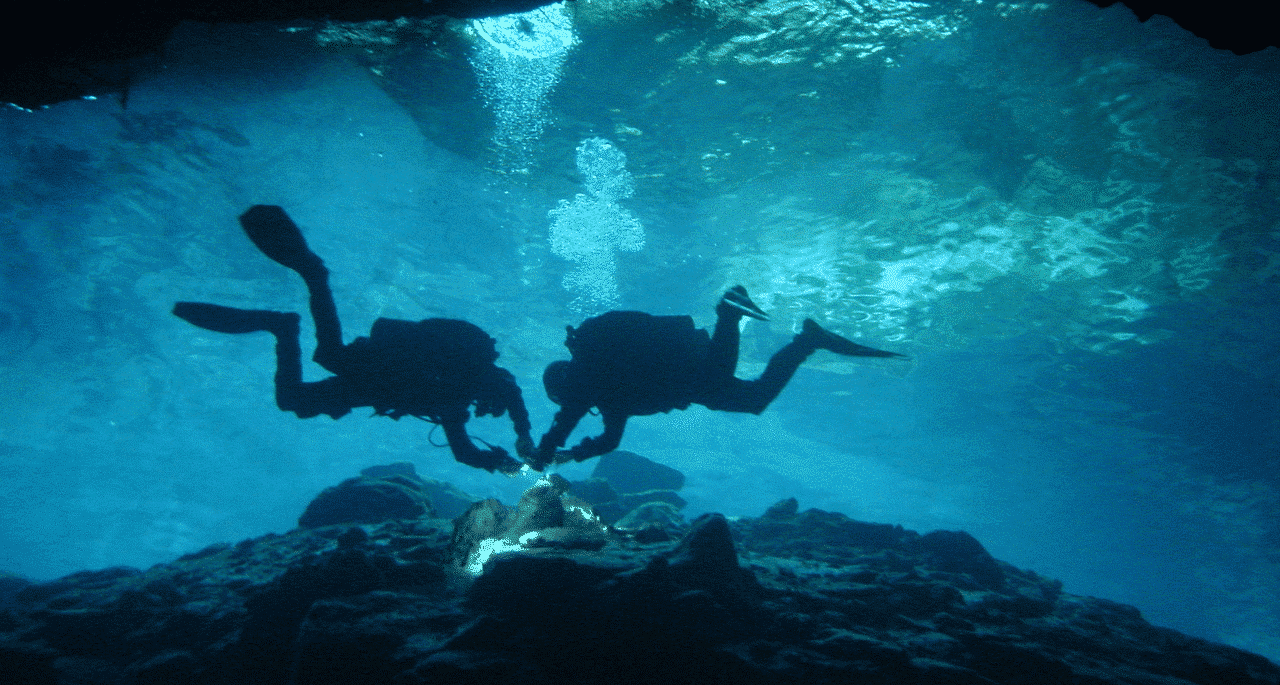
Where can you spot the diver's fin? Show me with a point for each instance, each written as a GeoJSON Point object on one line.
{"type": "Point", "coordinates": [824, 339]}
{"type": "Point", "coordinates": [737, 298]}
{"type": "Point", "coordinates": [215, 317]}
{"type": "Point", "coordinates": [279, 238]}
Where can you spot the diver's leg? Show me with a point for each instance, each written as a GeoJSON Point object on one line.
{"type": "Point", "coordinates": [307, 400]}
{"type": "Point", "coordinates": [275, 234]}
{"type": "Point", "coordinates": [722, 359]}
{"type": "Point", "coordinates": [292, 394]}
{"type": "Point", "coordinates": [304, 399]}
{"type": "Point", "coordinates": [324, 313]}
{"type": "Point", "coordinates": [754, 396]}
{"type": "Point", "coordinates": [726, 338]}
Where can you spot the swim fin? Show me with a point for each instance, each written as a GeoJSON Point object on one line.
{"type": "Point", "coordinates": [737, 298]}
{"type": "Point", "coordinates": [824, 339]}
{"type": "Point", "coordinates": [215, 317]}
{"type": "Point", "coordinates": [279, 238]}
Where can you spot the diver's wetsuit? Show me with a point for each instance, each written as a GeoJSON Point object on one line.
{"type": "Point", "coordinates": [635, 364]}
{"type": "Point", "coordinates": [434, 369]}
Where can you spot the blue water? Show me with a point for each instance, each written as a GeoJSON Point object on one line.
{"type": "Point", "coordinates": [1068, 218]}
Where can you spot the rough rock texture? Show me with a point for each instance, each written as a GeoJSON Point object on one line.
{"type": "Point", "coordinates": [368, 500]}
{"type": "Point", "coordinates": [49, 54]}
{"type": "Point", "coordinates": [385, 493]}
{"type": "Point", "coordinates": [653, 522]}
{"type": "Point", "coordinates": [790, 597]}
{"type": "Point", "coordinates": [545, 517]}
{"type": "Point", "coordinates": [624, 481]}
{"type": "Point", "coordinates": [448, 501]}
{"type": "Point", "coordinates": [629, 472]}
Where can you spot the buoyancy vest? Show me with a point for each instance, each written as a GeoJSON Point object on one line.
{"type": "Point", "coordinates": [425, 368]}
{"type": "Point", "coordinates": [639, 363]}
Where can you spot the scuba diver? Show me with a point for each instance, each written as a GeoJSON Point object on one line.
{"type": "Point", "coordinates": [434, 369]}
{"type": "Point", "coordinates": [636, 364]}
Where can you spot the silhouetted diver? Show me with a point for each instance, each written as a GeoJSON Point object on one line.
{"type": "Point", "coordinates": [434, 369]}
{"type": "Point", "coordinates": [635, 364]}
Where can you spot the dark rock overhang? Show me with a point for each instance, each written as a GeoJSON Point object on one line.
{"type": "Point", "coordinates": [52, 53]}
{"type": "Point", "coordinates": [51, 56]}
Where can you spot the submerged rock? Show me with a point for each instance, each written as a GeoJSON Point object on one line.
{"type": "Point", "coordinates": [629, 473]}
{"type": "Point", "coordinates": [790, 597]}
{"type": "Point", "coordinates": [385, 493]}
{"type": "Point", "coordinates": [624, 481]}
{"type": "Point", "coordinates": [653, 522]}
{"type": "Point", "coordinates": [448, 501]}
{"type": "Point", "coordinates": [545, 517]}
{"type": "Point", "coordinates": [368, 500]}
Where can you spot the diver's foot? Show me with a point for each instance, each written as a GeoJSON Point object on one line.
{"type": "Point", "coordinates": [279, 238]}
{"type": "Point", "coordinates": [737, 299]}
{"type": "Point", "coordinates": [824, 339]}
{"type": "Point", "coordinates": [540, 460]}
{"type": "Point", "coordinates": [215, 317]}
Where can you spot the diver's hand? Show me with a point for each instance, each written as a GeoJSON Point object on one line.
{"type": "Point", "coordinates": [588, 448]}
{"type": "Point", "coordinates": [502, 462]}
{"type": "Point", "coordinates": [492, 459]}
{"type": "Point", "coordinates": [511, 468]}
{"type": "Point", "coordinates": [524, 447]}
{"type": "Point", "coordinates": [539, 459]}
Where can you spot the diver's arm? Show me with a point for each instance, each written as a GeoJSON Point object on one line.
{"type": "Point", "coordinates": [501, 394]}
{"type": "Point", "coordinates": [614, 424]}
{"type": "Point", "coordinates": [466, 452]}
{"type": "Point", "coordinates": [561, 426]}
{"type": "Point", "coordinates": [513, 400]}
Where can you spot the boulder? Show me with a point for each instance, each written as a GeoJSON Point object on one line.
{"type": "Point", "coordinates": [368, 500]}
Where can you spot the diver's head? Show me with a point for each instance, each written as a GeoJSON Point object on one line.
{"type": "Point", "coordinates": [557, 382]}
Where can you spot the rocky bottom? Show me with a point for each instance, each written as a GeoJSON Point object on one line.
{"type": "Point", "coordinates": [545, 593]}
